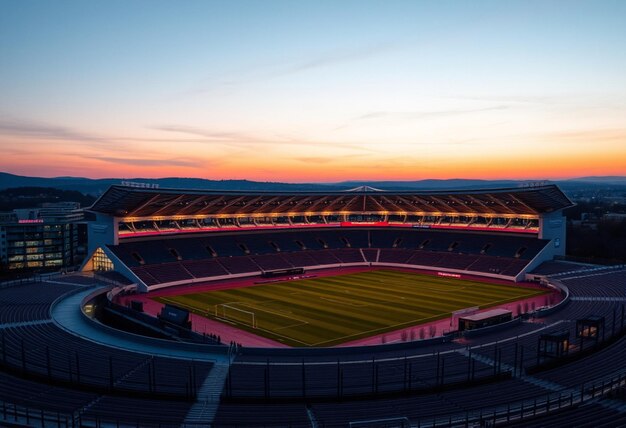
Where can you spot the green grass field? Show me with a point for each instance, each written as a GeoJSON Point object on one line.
{"type": "Point", "coordinates": [331, 310]}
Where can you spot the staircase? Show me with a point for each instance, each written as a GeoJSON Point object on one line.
{"type": "Point", "coordinates": [202, 413]}
{"type": "Point", "coordinates": [550, 386]}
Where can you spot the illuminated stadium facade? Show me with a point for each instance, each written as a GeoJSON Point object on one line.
{"type": "Point", "coordinates": [451, 223]}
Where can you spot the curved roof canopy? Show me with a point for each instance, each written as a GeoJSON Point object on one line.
{"type": "Point", "coordinates": [122, 201]}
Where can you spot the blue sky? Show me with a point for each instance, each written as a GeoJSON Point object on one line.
{"type": "Point", "coordinates": [313, 91]}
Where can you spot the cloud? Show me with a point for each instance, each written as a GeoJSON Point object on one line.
{"type": "Point", "coordinates": [328, 159]}
{"type": "Point", "coordinates": [518, 99]}
{"type": "Point", "coordinates": [590, 136]}
{"type": "Point", "coordinates": [416, 115]}
{"type": "Point", "coordinates": [208, 135]}
{"type": "Point", "coordinates": [260, 73]}
{"type": "Point", "coordinates": [597, 100]}
{"type": "Point", "coordinates": [314, 159]}
{"type": "Point", "coordinates": [329, 59]}
{"type": "Point", "coordinates": [434, 113]}
{"type": "Point", "coordinates": [372, 115]}
{"type": "Point", "coordinates": [149, 162]}
{"type": "Point", "coordinates": [241, 140]}
{"type": "Point", "coordinates": [31, 129]}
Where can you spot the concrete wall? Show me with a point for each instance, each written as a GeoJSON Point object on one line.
{"type": "Point", "coordinates": [102, 232]}
{"type": "Point", "coordinates": [553, 227]}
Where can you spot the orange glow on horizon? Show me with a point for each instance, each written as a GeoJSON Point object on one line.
{"type": "Point", "coordinates": [555, 156]}
{"type": "Point", "coordinates": [522, 168]}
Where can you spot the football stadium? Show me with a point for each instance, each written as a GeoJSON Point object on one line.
{"type": "Point", "coordinates": [356, 308]}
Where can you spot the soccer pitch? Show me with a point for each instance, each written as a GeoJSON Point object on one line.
{"type": "Point", "coordinates": [327, 311]}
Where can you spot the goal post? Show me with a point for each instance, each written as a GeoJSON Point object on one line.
{"type": "Point", "coordinates": [229, 312]}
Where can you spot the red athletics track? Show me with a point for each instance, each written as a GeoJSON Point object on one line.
{"type": "Point", "coordinates": [230, 333]}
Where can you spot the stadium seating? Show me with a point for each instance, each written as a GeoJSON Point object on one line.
{"type": "Point", "coordinates": [587, 416]}
{"type": "Point", "coordinates": [49, 351]}
{"type": "Point", "coordinates": [271, 262]}
{"type": "Point", "coordinates": [370, 254]}
{"type": "Point", "coordinates": [300, 258]}
{"type": "Point", "coordinates": [286, 415]}
{"type": "Point", "coordinates": [172, 260]}
{"type": "Point", "coordinates": [49, 374]}
{"type": "Point", "coordinates": [29, 302]}
{"type": "Point", "coordinates": [204, 268]}
{"type": "Point", "coordinates": [557, 267]}
{"type": "Point", "coordinates": [237, 265]}
{"type": "Point", "coordinates": [323, 257]}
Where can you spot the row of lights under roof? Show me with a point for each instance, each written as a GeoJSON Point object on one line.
{"type": "Point", "coordinates": [342, 201]}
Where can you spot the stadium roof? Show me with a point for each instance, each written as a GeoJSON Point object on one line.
{"type": "Point", "coordinates": [133, 202]}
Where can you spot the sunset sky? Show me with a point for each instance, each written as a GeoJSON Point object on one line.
{"type": "Point", "coordinates": [305, 91]}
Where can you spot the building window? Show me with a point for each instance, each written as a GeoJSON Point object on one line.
{"type": "Point", "coordinates": [34, 264]}
{"type": "Point", "coordinates": [53, 255]}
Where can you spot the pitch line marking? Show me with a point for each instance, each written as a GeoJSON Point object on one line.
{"type": "Point", "coordinates": [341, 302]}
{"type": "Point", "coordinates": [254, 307]}
{"type": "Point", "coordinates": [238, 324]}
{"type": "Point", "coordinates": [391, 328]}
{"type": "Point", "coordinates": [283, 336]}
{"type": "Point", "coordinates": [193, 309]}
{"type": "Point", "coordinates": [443, 291]}
{"type": "Point", "coordinates": [291, 326]}
{"type": "Point", "coordinates": [301, 322]}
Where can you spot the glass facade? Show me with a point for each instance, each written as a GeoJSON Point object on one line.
{"type": "Point", "coordinates": [38, 245]}
{"type": "Point", "coordinates": [101, 263]}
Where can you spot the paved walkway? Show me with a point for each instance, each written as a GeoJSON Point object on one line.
{"type": "Point", "coordinates": [67, 315]}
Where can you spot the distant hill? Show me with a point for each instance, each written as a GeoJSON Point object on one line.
{"type": "Point", "coordinates": [431, 184]}
{"type": "Point", "coordinates": [610, 180]}
{"type": "Point", "coordinates": [98, 186]}
{"type": "Point", "coordinates": [32, 197]}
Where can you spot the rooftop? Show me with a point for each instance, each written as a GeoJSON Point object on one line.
{"type": "Point", "coordinates": [122, 201]}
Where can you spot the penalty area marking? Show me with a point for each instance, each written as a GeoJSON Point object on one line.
{"type": "Point", "coordinates": [273, 331]}
{"type": "Point", "coordinates": [255, 308]}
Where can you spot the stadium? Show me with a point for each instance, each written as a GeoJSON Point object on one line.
{"type": "Point", "coordinates": [362, 308]}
